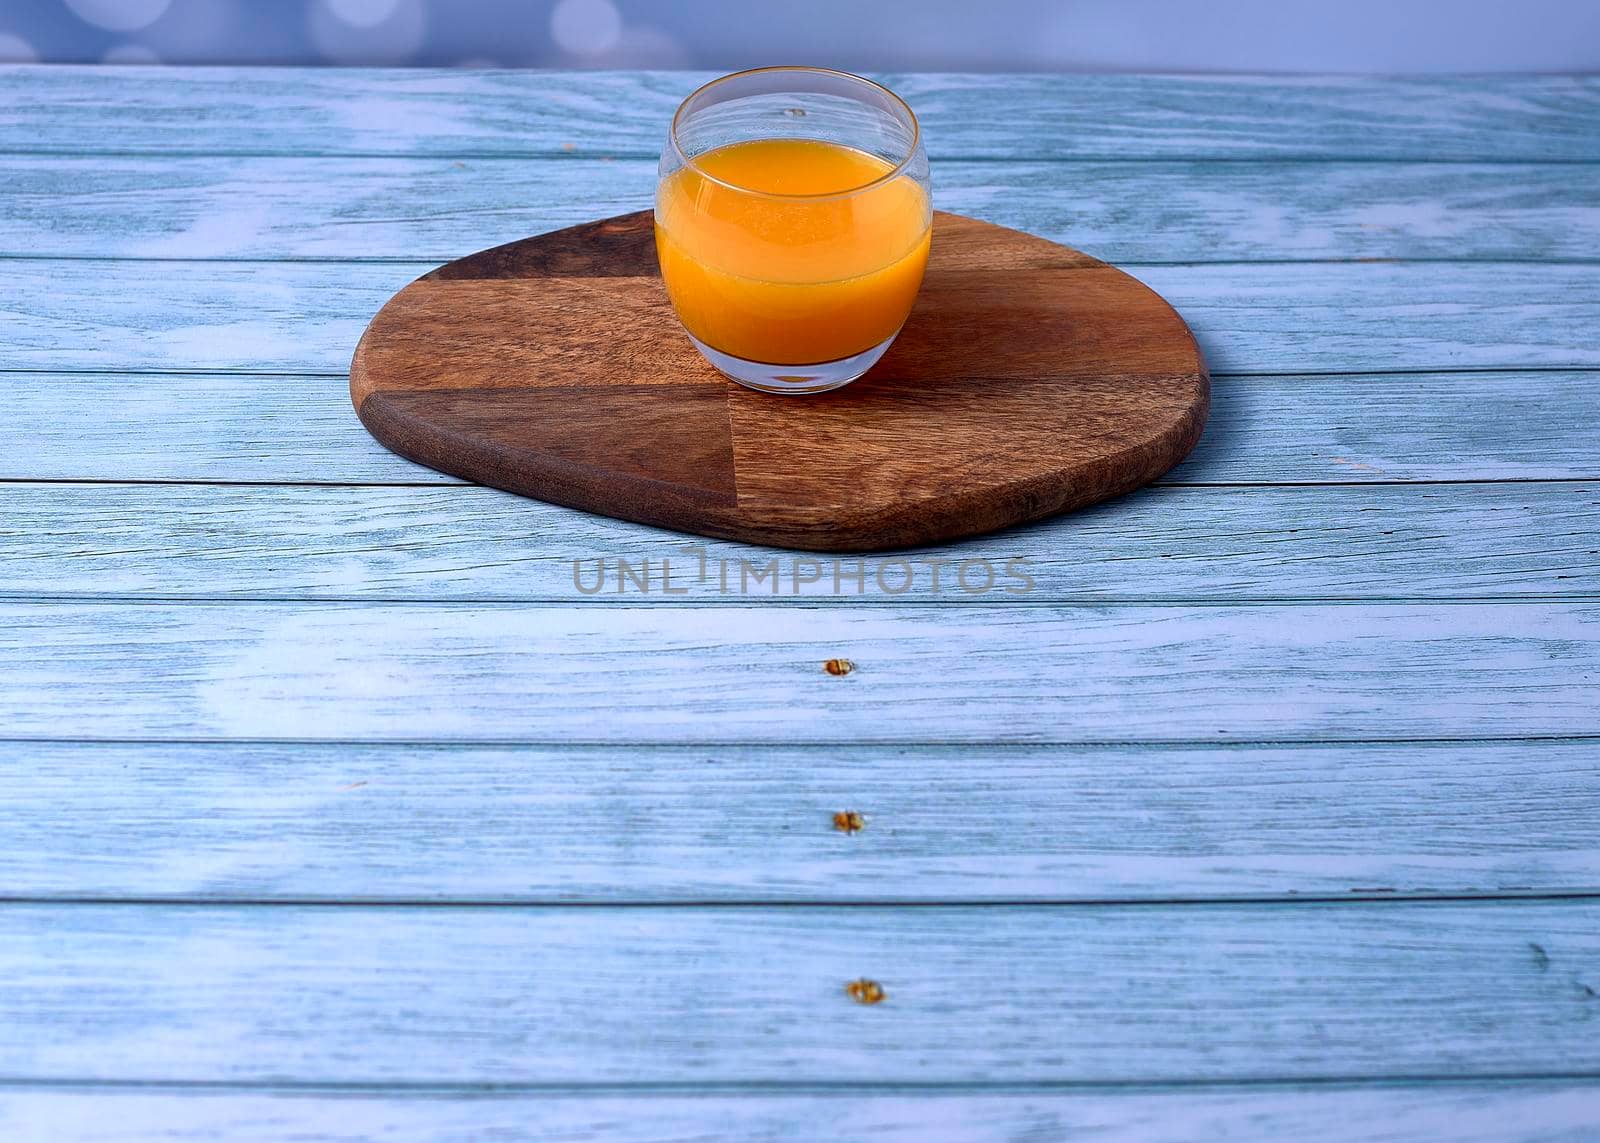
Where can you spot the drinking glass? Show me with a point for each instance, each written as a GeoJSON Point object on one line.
{"type": "Point", "coordinates": [792, 222]}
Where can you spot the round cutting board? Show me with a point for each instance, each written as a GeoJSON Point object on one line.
{"type": "Point", "coordinates": [1030, 379]}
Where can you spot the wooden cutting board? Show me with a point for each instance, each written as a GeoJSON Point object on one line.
{"type": "Point", "coordinates": [1030, 379]}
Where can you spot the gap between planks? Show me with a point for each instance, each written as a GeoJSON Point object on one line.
{"type": "Point", "coordinates": [1527, 1108]}
{"type": "Point", "coordinates": [732, 602]}
{"type": "Point", "coordinates": [1216, 374]}
{"type": "Point", "coordinates": [809, 744]}
{"type": "Point", "coordinates": [597, 154]}
{"type": "Point", "coordinates": [1086, 601]}
{"type": "Point", "coordinates": [1121, 263]}
{"type": "Point", "coordinates": [1353, 898]}
{"type": "Point", "coordinates": [713, 1088]}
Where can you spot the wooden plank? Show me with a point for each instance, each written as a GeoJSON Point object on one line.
{"type": "Point", "coordinates": [757, 994]}
{"type": "Point", "coordinates": [1528, 1112]}
{"type": "Point", "coordinates": [1351, 428]}
{"type": "Point", "coordinates": [439, 209]}
{"type": "Point", "coordinates": [1257, 318]}
{"type": "Point", "coordinates": [1350, 542]}
{"type": "Point", "coordinates": [304, 822]}
{"type": "Point", "coordinates": [738, 674]}
{"type": "Point", "coordinates": [327, 111]}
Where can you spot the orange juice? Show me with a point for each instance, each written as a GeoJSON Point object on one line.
{"type": "Point", "coordinates": [770, 259]}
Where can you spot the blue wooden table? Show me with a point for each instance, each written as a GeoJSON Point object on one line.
{"type": "Point", "coordinates": [333, 810]}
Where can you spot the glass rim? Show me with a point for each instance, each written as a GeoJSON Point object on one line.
{"type": "Point", "coordinates": [896, 172]}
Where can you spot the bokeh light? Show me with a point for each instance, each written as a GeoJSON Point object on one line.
{"type": "Point", "coordinates": [119, 15]}
{"type": "Point", "coordinates": [1353, 36]}
{"type": "Point", "coordinates": [393, 40]}
{"type": "Point", "coordinates": [363, 13]}
{"type": "Point", "coordinates": [641, 46]}
{"type": "Point", "coordinates": [15, 49]}
{"type": "Point", "coordinates": [586, 27]}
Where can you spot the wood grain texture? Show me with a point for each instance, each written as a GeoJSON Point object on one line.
{"type": "Point", "coordinates": [1029, 380]}
{"type": "Point", "coordinates": [1350, 429]}
{"type": "Point", "coordinates": [453, 113]}
{"type": "Point", "coordinates": [406, 209]}
{"type": "Point", "coordinates": [259, 317]}
{"type": "Point", "coordinates": [1531, 1112]}
{"type": "Point", "coordinates": [1482, 541]}
{"type": "Point", "coordinates": [747, 994]}
{"type": "Point", "coordinates": [303, 822]}
{"type": "Point", "coordinates": [1041, 673]}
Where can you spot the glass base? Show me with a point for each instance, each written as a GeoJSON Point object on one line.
{"type": "Point", "coordinates": [793, 378]}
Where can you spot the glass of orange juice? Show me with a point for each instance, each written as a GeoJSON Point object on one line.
{"type": "Point", "coordinates": [792, 223]}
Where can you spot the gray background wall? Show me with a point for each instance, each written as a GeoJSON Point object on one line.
{"type": "Point", "coordinates": [987, 35]}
